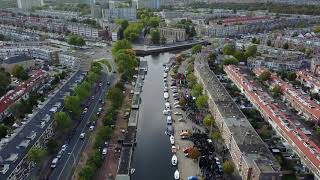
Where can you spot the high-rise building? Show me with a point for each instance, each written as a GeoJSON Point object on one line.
{"type": "Point", "coordinates": [28, 4]}
{"type": "Point", "coordinates": [150, 4]}
{"type": "Point", "coordinates": [117, 12]}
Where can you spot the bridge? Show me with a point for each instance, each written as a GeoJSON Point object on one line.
{"type": "Point", "coordinates": [160, 49]}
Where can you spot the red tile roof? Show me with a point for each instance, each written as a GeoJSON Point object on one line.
{"type": "Point", "coordinates": [245, 19]}
{"type": "Point", "coordinates": [291, 127]}
{"type": "Point", "coordinates": [14, 95]}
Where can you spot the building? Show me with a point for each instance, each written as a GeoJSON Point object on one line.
{"type": "Point", "coordinates": [28, 4]}
{"type": "Point", "coordinates": [58, 14]}
{"type": "Point", "coordinates": [309, 80]}
{"type": "Point", "coordinates": [280, 118]}
{"type": "Point", "coordinates": [96, 11]}
{"type": "Point", "coordinates": [250, 154]}
{"type": "Point", "coordinates": [173, 34]}
{"type": "Point", "coordinates": [9, 63]}
{"type": "Point", "coordinates": [315, 65]}
{"type": "Point", "coordinates": [116, 11]}
{"type": "Point", "coordinates": [83, 30]}
{"type": "Point", "coordinates": [150, 4]}
{"type": "Point", "coordinates": [299, 100]}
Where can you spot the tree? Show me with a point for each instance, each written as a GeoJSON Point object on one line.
{"type": "Point", "coordinates": [119, 45]}
{"type": "Point", "coordinates": [264, 76]}
{"type": "Point", "coordinates": [197, 90]}
{"type": "Point", "coordinates": [196, 49]}
{"type": "Point", "coordinates": [126, 64]}
{"type": "Point", "coordinates": [208, 120]}
{"type": "Point", "coordinates": [153, 22]}
{"type": "Point", "coordinates": [87, 172]}
{"type": "Point", "coordinates": [276, 90]}
{"type": "Point", "coordinates": [291, 76]}
{"type": "Point", "coordinates": [52, 146]}
{"type": "Point", "coordinates": [155, 36]}
{"type": "Point", "coordinates": [19, 72]}
{"type": "Point", "coordinates": [212, 57]}
{"type": "Point", "coordinates": [216, 136]}
{"type": "Point", "coordinates": [82, 90]}
{"type": "Point", "coordinates": [202, 101]}
{"type": "Point", "coordinates": [123, 25]}
{"type": "Point", "coordinates": [194, 153]}
{"type": "Point", "coordinates": [5, 81]}
{"type": "Point", "coordinates": [317, 29]}
{"type": "Point", "coordinates": [269, 42]}
{"type": "Point", "coordinates": [115, 96]}
{"type": "Point", "coordinates": [228, 167]}
{"type": "Point", "coordinates": [3, 131]}
{"type": "Point", "coordinates": [62, 120]}
{"type": "Point", "coordinates": [36, 154]}
{"type": "Point", "coordinates": [229, 49]}
{"type": "Point", "coordinates": [251, 51]}
{"type": "Point", "coordinates": [192, 80]}
{"type": "Point", "coordinates": [239, 55]}
{"type": "Point", "coordinates": [229, 61]}
{"type": "Point", "coordinates": [133, 31]}
{"type": "Point", "coordinates": [318, 130]}
{"type": "Point", "coordinates": [76, 40]}
{"type": "Point", "coordinates": [286, 46]}
{"type": "Point", "coordinates": [255, 41]}
{"type": "Point", "coordinates": [72, 103]}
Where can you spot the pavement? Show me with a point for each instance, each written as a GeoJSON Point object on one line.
{"type": "Point", "coordinates": [14, 146]}
{"type": "Point", "coordinates": [70, 158]}
{"type": "Point", "coordinates": [186, 166]}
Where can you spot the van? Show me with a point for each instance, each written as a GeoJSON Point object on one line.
{"type": "Point", "coordinates": [54, 163]}
{"type": "Point", "coordinates": [82, 135]}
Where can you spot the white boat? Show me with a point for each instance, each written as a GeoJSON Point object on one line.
{"type": "Point", "coordinates": [174, 160]}
{"type": "Point", "coordinates": [172, 140]}
{"type": "Point", "coordinates": [132, 170]}
{"type": "Point", "coordinates": [166, 95]}
{"type": "Point", "coordinates": [176, 175]}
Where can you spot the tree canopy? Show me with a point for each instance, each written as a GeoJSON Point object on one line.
{"type": "Point", "coordinates": [36, 154]}
{"type": "Point", "coordinates": [276, 90]}
{"type": "Point", "coordinates": [155, 36]}
{"type": "Point", "coordinates": [62, 120]}
{"type": "Point", "coordinates": [133, 31]}
{"type": "Point", "coordinates": [229, 49]}
{"type": "Point", "coordinates": [188, 26]}
{"type": "Point", "coordinates": [72, 103]}
{"type": "Point", "coordinates": [202, 101]}
{"type": "Point", "coordinates": [119, 45]}
{"type": "Point", "coordinates": [251, 51]}
{"type": "Point", "coordinates": [208, 120]}
{"type": "Point", "coordinates": [196, 90]}
{"type": "Point", "coordinates": [76, 40]}
{"type": "Point", "coordinates": [196, 49]}
{"type": "Point", "coordinates": [5, 80]}
{"type": "Point", "coordinates": [228, 167]}
{"type": "Point", "coordinates": [229, 61]}
{"type": "Point", "coordinates": [264, 76]}
{"type": "Point", "coordinates": [19, 72]}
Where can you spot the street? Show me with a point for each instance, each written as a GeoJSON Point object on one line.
{"type": "Point", "coordinates": [71, 157]}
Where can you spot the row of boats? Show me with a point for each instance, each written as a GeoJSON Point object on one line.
{"type": "Point", "coordinates": [170, 130]}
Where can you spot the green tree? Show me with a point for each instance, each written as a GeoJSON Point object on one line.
{"type": "Point", "coordinates": [264, 76]}
{"type": "Point", "coordinates": [52, 146]}
{"type": "Point", "coordinates": [120, 45]}
{"type": "Point", "coordinates": [192, 80]}
{"type": "Point", "coordinates": [36, 154]}
{"type": "Point", "coordinates": [87, 172]}
{"type": "Point", "coordinates": [123, 25]}
{"type": "Point", "coordinates": [133, 31]}
{"type": "Point", "coordinates": [276, 90]}
{"type": "Point", "coordinates": [196, 49]}
{"type": "Point", "coordinates": [269, 42]}
{"type": "Point", "coordinates": [212, 58]}
{"type": "Point", "coordinates": [115, 95]}
{"type": "Point", "coordinates": [5, 80]}
{"type": "Point", "coordinates": [82, 90]}
{"type": "Point", "coordinates": [255, 41]}
{"type": "Point", "coordinates": [229, 61]}
{"type": "Point", "coordinates": [202, 101]}
{"type": "Point", "coordinates": [291, 76]}
{"type": "Point", "coordinates": [228, 167]}
{"type": "Point", "coordinates": [62, 121]}
{"type": "Point", "coordinates": [72, 104]}
{"type": "Point", "coordinates": [182, 101]}
{"type": "Point", "coordinates": [286, 46]}
{"type": "Point", "coordinates": [229, 49]}
{"type": "Point", "coordinates": [155, 36]}
{"type": "Point", "coordinates": [154, 22]}
{"type": "Point", "coordinates": [95, 159]}
{"type": "Point", "coordinates": [126, 64]}
{"type": "Point", "coordinates": [208, 120]}
{"type": "Point", "coordinates": [216, 135]}
{"type": "Point", "coordinates": [317, 29]}
{"type": "Point", "coordinates": [251, 51]}
{"type": "Point", "coordinates": [318, 130]}
{"type": "Point", "coordinates": [239, 55]}
{"type": "Point", "coordinates": [76, 40]}
{"type": "Point", "coordinates": [197, 90]}
{"type": "Point", "coordinates": [3, 131]}
{"type": "Point", "coordinates": [19, 72]}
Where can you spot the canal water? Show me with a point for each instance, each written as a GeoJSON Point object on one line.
{"type": "Point", "coordinates": [152, 154]}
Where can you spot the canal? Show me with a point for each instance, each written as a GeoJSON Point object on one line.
{"type": "Point", "coordinates": [152, 154]}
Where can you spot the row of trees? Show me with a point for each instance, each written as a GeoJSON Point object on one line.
{"type": "Point", "coordinates": [115, 97]}
{"type": "Point", "coordinates": [125, 59]}
{"type": "Point", "coordinates": [239, 55]}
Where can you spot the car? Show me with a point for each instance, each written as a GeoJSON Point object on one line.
{"type": "Point", "coordinates": [176, 102]}
{"type": "Point", "coordinates": [98, 113]}
{"type": "Point", "coordinates": [100, 100]}
{"type": "Point", "coordinates": [100, 109]}
{"type": "Point", "coordinates": [177, 106]}
{"type": "Point", "coordinates": [54, 162]}
{"type": "Point", "coordinates": [104, 151]}
{"type": "Point", "coordinates": [82, 135]}
{"type": "Point", "coordinates": [108, 83]}
{"type": "Point", "coordinates": [64, 147]}
{"type": "Point", "coordinates": [59, 154]}
{"type": "Point", "coordinates": [92, 97]}
{"type": "Point", "coordinates": [91, 128]}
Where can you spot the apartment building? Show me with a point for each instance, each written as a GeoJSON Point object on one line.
{"type": "Point", "coordinates": [83, 30]}
{"type": "Point", "coordinates": [274, 62]}
{"type": "Point", "coordinates": [309, 80]}
{"type": "Point", "coordinates": [21, 92]}
{"type": "Point", "coordinates": [299, 100]}
{"type": "Point", "coordinates": [250, 154]}
{"type": "Point", "coordinates": [279, 117]}
{"type": "Point", "coordinates": [28, 4]}
{"type": "Point", "coordinates": [173, 34]}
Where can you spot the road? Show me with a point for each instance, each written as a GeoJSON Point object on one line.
{"type": "Point", "coordinates": [70, 158]}
{"type": "Point", "coordinates": [14, 146]}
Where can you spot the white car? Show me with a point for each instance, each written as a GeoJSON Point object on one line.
{"type": "Point", "coordinates": [91, 128]}
{"type": "Point", "coordinates": [104, 151]}
{"type": "Point", "coordinates": [64, 147]}
{"type": "Point", "coordinates": [82, 135]}
{"type": "Point", "coordinates": [177, 113]}
{"type": "Point", "coordinates": [177, 106]}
